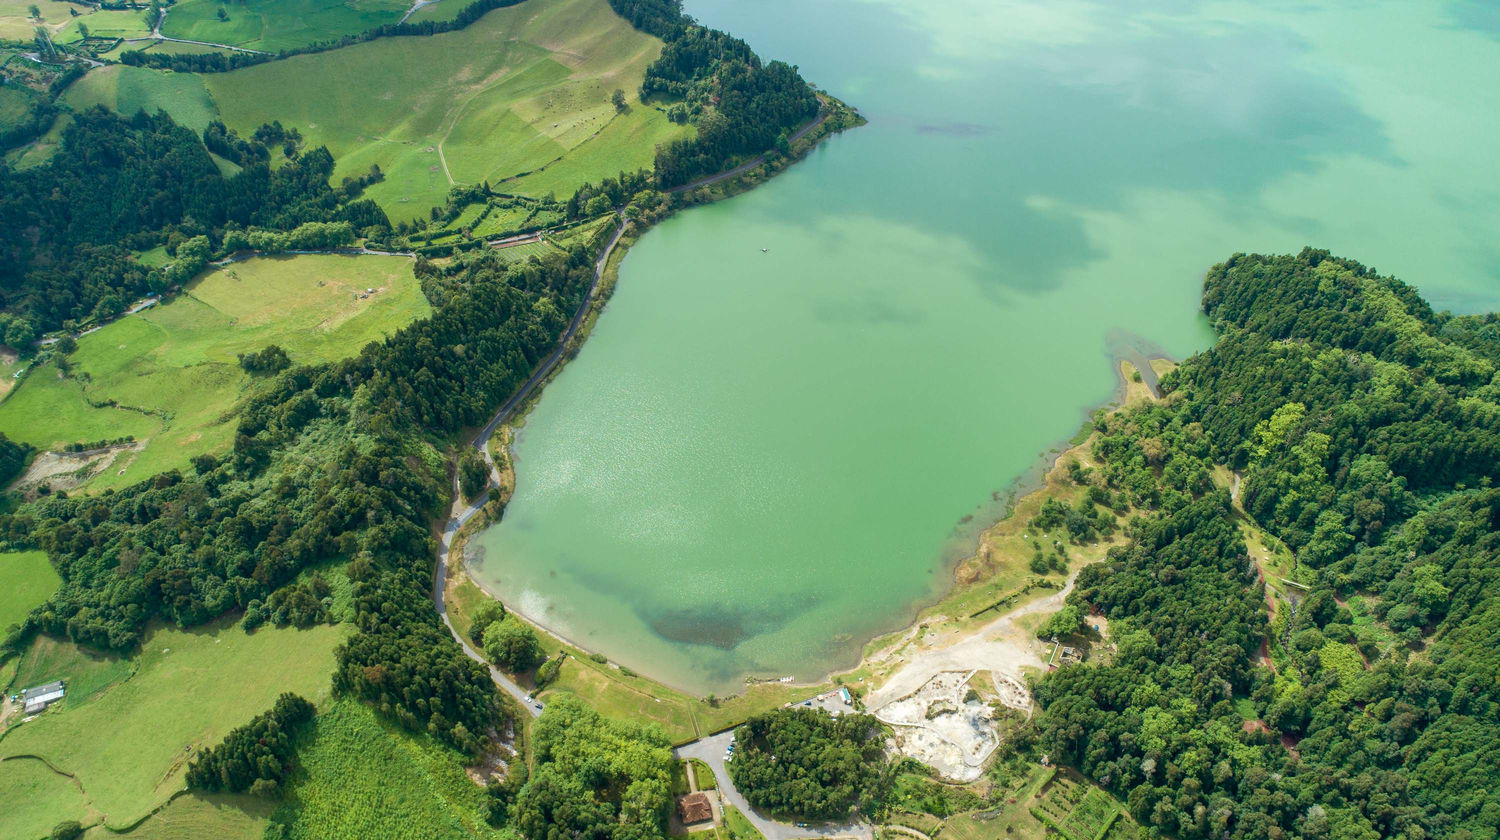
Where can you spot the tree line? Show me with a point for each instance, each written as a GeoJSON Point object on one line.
{"type": "Point", "coordinates": [1367, 431]}
{"type": "Point", "coordinates": [328, 461]}
{"type": "Point", "coordinates": [118, 184]}
{"type": "Point", "coordinates": [742, 107]}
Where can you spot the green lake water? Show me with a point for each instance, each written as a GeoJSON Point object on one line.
{"type": "Point", "coordinates": [762, 459]}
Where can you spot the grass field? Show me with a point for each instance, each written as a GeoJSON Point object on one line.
{"type": "Point", "coordinates": [36, 799]}
{"type": "Point", "coordinates": [173, 369]}
{"type": "Point", "coordinates": [86, 672]}
{"type": "Point", "coordinates": [272, 25]}
{"type": "Point", "coordinates": [511, 93]}
{"type": "Point", "coordinates": [198, 815]}
{"type": "Point", "coordinates": [29, 579]}
{"type": "Point", "coordinates": [189, 688]}
{"type": "Point", "coordinates": [130, 89]}
{"type": "Point", "coordinates": [361, 778]}
{"type": "Point", "coordinates": [102, 23]}
{"type": "Point", "coordinates": [15, 104]}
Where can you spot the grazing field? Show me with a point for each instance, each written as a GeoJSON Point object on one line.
{"type": "Point", "coordinates": [173, 370]}
{"type": "Point", "coordinates": [363, 779]}
{"type": "Point", "coordinates": [130, 89]}
{"type": "Point", "coordinates": [15, 104]}
{"type": "Point", "coordinates": [102, 23]}
{"type": "Point", "coordinates": [28, 580]}
{"type": "Point", "coordinates": [86, 672]}
{"type": "Point", "coordinates": [272, 25]}
{"type": "Point", "coordinates": [37, 798]}
{"type": "Point", "coordinates": [195, 816]}
{"type": "Point", "coordinates": [511, 93]}
{"type": "Point", "coordinates": [189, 689]}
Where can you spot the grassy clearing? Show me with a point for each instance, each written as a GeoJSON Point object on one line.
{"type": "Point", "coordinates": [173, 369]}
{"type": "Point", "coordinates": [198, 815]}
{"type": "Point", "coordinates": [102, 23]}
{"type": "Point", "coordinates": [189, 689]}
{"type": "Point", "coordinates": [510, 93]}
{"type": "Point", "coordinates": [130, 89]}
{"type": "Point", "coordinates": [361, 778]}
{"type": "Point", "coordinates": [86, 672]}
{"type": "Point", "coordinates": [273, 25]}
{"type": "Point", "coordinates": [737, 827]}
{"type": "Point", "coordinates": [29, 580]}
{"type": "Point", "coordinates": [36, 799]}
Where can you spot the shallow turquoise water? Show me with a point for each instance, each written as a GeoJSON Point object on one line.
{"type": "Point", "coordinates": [760, 460]}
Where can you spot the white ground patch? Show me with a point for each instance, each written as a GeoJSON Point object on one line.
{"type": "Point", "coordinates": [68, 470]}
{"type": "Point", "coordinates": [938, 727]}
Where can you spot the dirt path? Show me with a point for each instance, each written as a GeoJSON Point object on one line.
{"type": "Point", "coordinates": [1001, 646]}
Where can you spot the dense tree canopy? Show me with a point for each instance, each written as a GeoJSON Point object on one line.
{"type": "Point", "coordinates": [594, 777]}
{"type": "Point", "coordinates": [257, 756]}
{"type": "Point", "coordinates": [117, 184]}
{"type": "Point", "coordinates": [1367, 431]}
{"type": "Point", "coordinates": [804, 762]}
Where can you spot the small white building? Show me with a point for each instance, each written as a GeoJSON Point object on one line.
{"type": "Point", "coordinates": [36, 699]}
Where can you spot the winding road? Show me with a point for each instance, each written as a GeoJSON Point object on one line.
{"type": "Point", "coordinates": [462, 513]}
{"type": "Point", "coordinates": [711, 749]}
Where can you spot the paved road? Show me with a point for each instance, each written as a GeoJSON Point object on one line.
{"type": "Point", "coordinates": [710, 751]}
{"type": "Point", "coordinates": [748, 165]}
{"type": "Point", "coordinates": [462, 513]}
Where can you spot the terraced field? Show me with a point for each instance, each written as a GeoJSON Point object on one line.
{"type": "Point", "coordinates": [172, 372]}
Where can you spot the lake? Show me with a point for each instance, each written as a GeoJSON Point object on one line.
{"type": "Point", "coordinates": [761, 459]}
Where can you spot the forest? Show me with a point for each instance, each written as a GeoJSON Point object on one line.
{"type": "Point", "coordinates": [329, 462]}
{"type": "Point", "coordinates": [119, 184]}
{"type": "Point", "coordinates": [742, 107]}
{"type": "Point", "coordinates": [1366, 430]}
{"type": "Point", "coordinates": [805, 763]}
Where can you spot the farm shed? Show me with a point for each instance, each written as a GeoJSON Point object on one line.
{"type": "Point", "coordinates": [42, 696]}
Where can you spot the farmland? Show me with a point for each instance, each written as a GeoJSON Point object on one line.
{"type": "Point", "coordinates": [175, 699]}
{"type": "Point", "coordinates": [197, 815]}
{"type": "Point", "coordinates": [130, 89]}
{"type": "Point", "coordinates": [172, 371]}
{"type": "Point", "coordinates": [272, 25]}
{"type": "Point", "coordinates": [29, 579]}
{"type": "Point", "coordinates": [514, 92]}
{"type": "Point", "coordinates": [361, 778]}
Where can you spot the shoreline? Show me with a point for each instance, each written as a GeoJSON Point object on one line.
{"type": "Point", "coordinates": [1033, 480]}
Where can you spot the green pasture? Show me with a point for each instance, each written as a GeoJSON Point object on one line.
{"type": "Point", "coordinates": [362, 778]}
{"type": "Point", "coordinates": [189, 689]}
{"type": "Point", "coordinates": [40, 150]}
{"type": "Point", "coordinates": [511, 93]}
{"type": "Point", "coordinates": [86, 672]}
{"type": "Point", "coordinates": [37, 798]}
{"type": "Point", "coordinates": [195, 816]}
{"type": "Point", "coordinates": [26, 579]}
{"type": "Point", "coordinates": [173, 370]}
{"type": "Point", "coordinates": [273, 25]}
{"type": "Point", "coordinates": [102, 23]}
{"type": "Point", "coordinates": [15, 104]}
{"type": "Point", "coordinates": [130, 89]}
{"type": "Point", "coordinates": [520, 253]}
